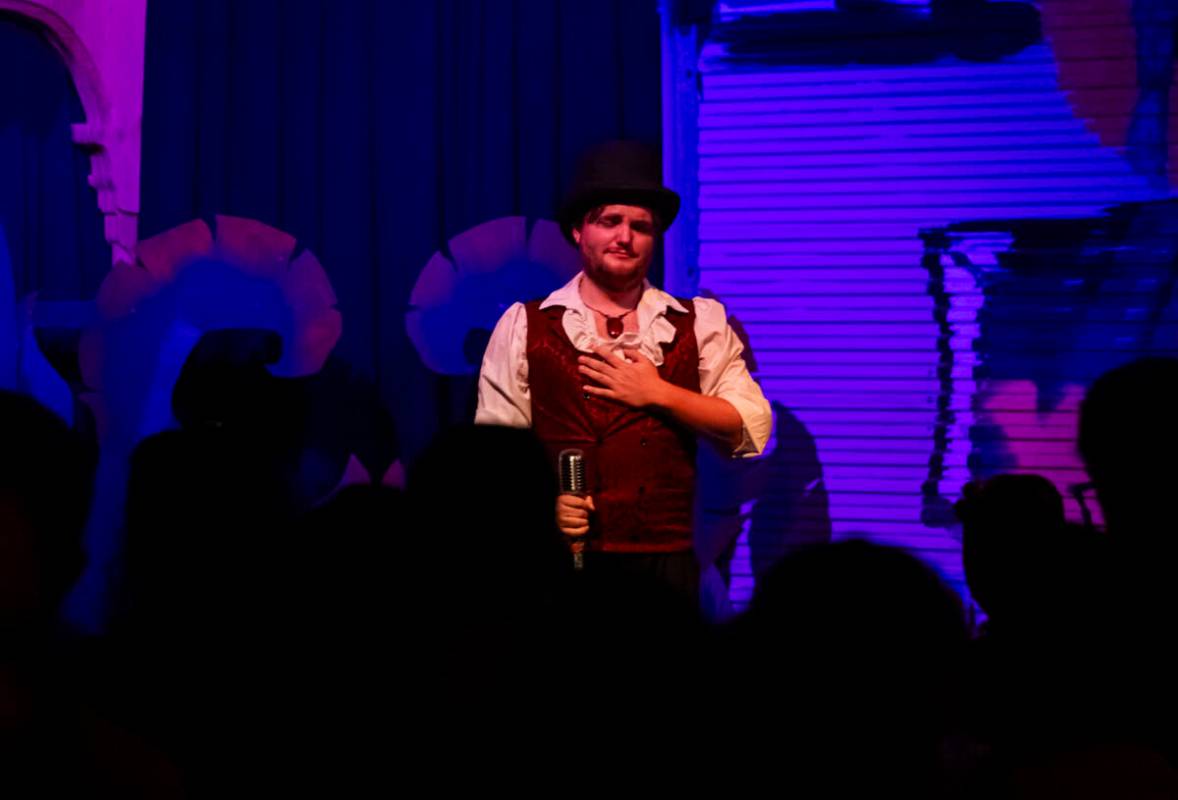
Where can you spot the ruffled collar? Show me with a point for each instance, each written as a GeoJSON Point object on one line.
{"type": "Point", "coordinates": [654, 329]}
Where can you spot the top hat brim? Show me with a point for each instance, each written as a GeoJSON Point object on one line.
{"type": "Point", "coordinates": [663, 202]}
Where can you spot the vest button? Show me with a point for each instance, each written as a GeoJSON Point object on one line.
{"type": "Point", "coordinates": [643, 443]}
{"type": "Point", "coordinates": [586, 395]}
{"type": "Point", "coordinates": [641, 490]}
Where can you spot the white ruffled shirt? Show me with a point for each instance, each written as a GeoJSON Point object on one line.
{"type": "Point", "coordinates": [505, 398]}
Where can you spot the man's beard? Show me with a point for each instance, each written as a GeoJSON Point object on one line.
{"type": "Point", "coordinates": [612, 281]}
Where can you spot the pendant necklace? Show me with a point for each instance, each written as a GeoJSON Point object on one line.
{"type": "Point", "coordinates": [613, 325]}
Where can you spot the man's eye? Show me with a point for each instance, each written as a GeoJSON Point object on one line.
{"type": "Point", "coordinates": [642, 227]}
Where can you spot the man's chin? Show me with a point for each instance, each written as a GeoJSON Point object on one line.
{"type": "Point", "coordinates": [617, 281]}
{"type": "Point", "coordinates": [616, 285]}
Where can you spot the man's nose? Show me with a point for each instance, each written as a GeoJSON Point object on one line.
{"type": "Point", "coordinates": [625, 232]}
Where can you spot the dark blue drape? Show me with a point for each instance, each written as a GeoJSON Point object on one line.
{"type": "Point", "coordinates": [375, 131]}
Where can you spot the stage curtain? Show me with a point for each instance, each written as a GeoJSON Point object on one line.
{"type": "Point", "coordinates": [375, 131]}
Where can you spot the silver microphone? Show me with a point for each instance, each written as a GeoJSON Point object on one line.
{"type": "Point", "coordinates": [572, 481]}
{"type": "Point", "coordinates": [572, 471]}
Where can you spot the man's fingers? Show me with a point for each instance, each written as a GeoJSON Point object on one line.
{"type": "Point", "coordinates": [573, 501]}
{"type": "Point", "coordinates": [572, 513]}
{"type": "Point", "coordinates": [600, 392]}
{"type": "Point", "coordinates": [598, 364]}
{"type": "Point", "coordinates": [635, 355]}
{"type": "Point", "coordinates": [593, 372]}
{"type": "Point", "coordinates": [573, 516]}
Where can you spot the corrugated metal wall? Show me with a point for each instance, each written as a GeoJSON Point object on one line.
{"type": "Point", "coordinates": [866, 223]}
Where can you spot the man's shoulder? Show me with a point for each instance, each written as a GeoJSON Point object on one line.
{"type": "Point", "coordinates": [707, 305]}
{"type": "Point", "coordinates": [711, 320]}
{"type": "Point", "coordinates": [512, 311]}
{"type": "Point", "coordinates": [540, 307]}
{"type": "Point", "coordinates": [665, 302]}
{"type": "Point", "coordinates": [710, 311]}
{"type": "Point", "coordinates": [510, 323]}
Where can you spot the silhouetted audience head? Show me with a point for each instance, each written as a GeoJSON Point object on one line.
{"type": "Point", "coordinates": [1128, 439]}
{"type": "Point", "coordinates": [192, 662]}
{"type": "Point", "coordinates": [493, 569]}
{"type": "Point", "coordinates": [850, 654]}
{"type": "Point", "coordinates": [46, 476]}
{"type": "Point", "coordinates": [225, 385]}
{"type": "Point", "coordinates": [52, 744]}
{"type": "Point", "coordinates": [204, 514]}
{"type": "Point", "coordinates": [855, 596]}
{"type": "Point", "coordinates": [348, 558]}
{"type": "Point", "coordinates": [486, 497]}
{"type": "Point", "coordinates": [1129, 442]}
{"type": "Point", "coordinates": [1013, 534]}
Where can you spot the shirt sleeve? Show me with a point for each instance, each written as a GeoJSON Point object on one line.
{"type": "Point", "coordinates": [724, 374]}
{"type": "Point", "coordinates": [504, 397]}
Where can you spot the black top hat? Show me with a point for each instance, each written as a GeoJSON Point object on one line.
{"type": "Point", "coordinates": [617, 172]}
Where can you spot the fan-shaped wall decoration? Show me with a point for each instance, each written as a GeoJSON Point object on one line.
{"type": "Point", "coordinates": [458, 298]}
{"type": "Point", "coordinates": [186, 281]}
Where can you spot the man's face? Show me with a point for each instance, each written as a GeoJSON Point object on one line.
{"type": "Point", "coordinates": [617, 245]}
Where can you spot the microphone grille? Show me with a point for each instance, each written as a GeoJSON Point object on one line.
{"type": "Point", "coordinates": [572, 471]}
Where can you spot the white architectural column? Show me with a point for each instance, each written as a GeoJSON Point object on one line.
{"type": "Point", "coordinates": [102, 43]}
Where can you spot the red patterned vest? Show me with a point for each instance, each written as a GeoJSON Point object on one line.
{"type": "Point", "coordinates": [639, 466]}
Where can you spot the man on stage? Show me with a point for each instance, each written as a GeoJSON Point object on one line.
{"type": "Point", "coordinates": [625, 372]}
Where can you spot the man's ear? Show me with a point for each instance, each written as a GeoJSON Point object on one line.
{"type": "Point", "coordinates": [577, 235]}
